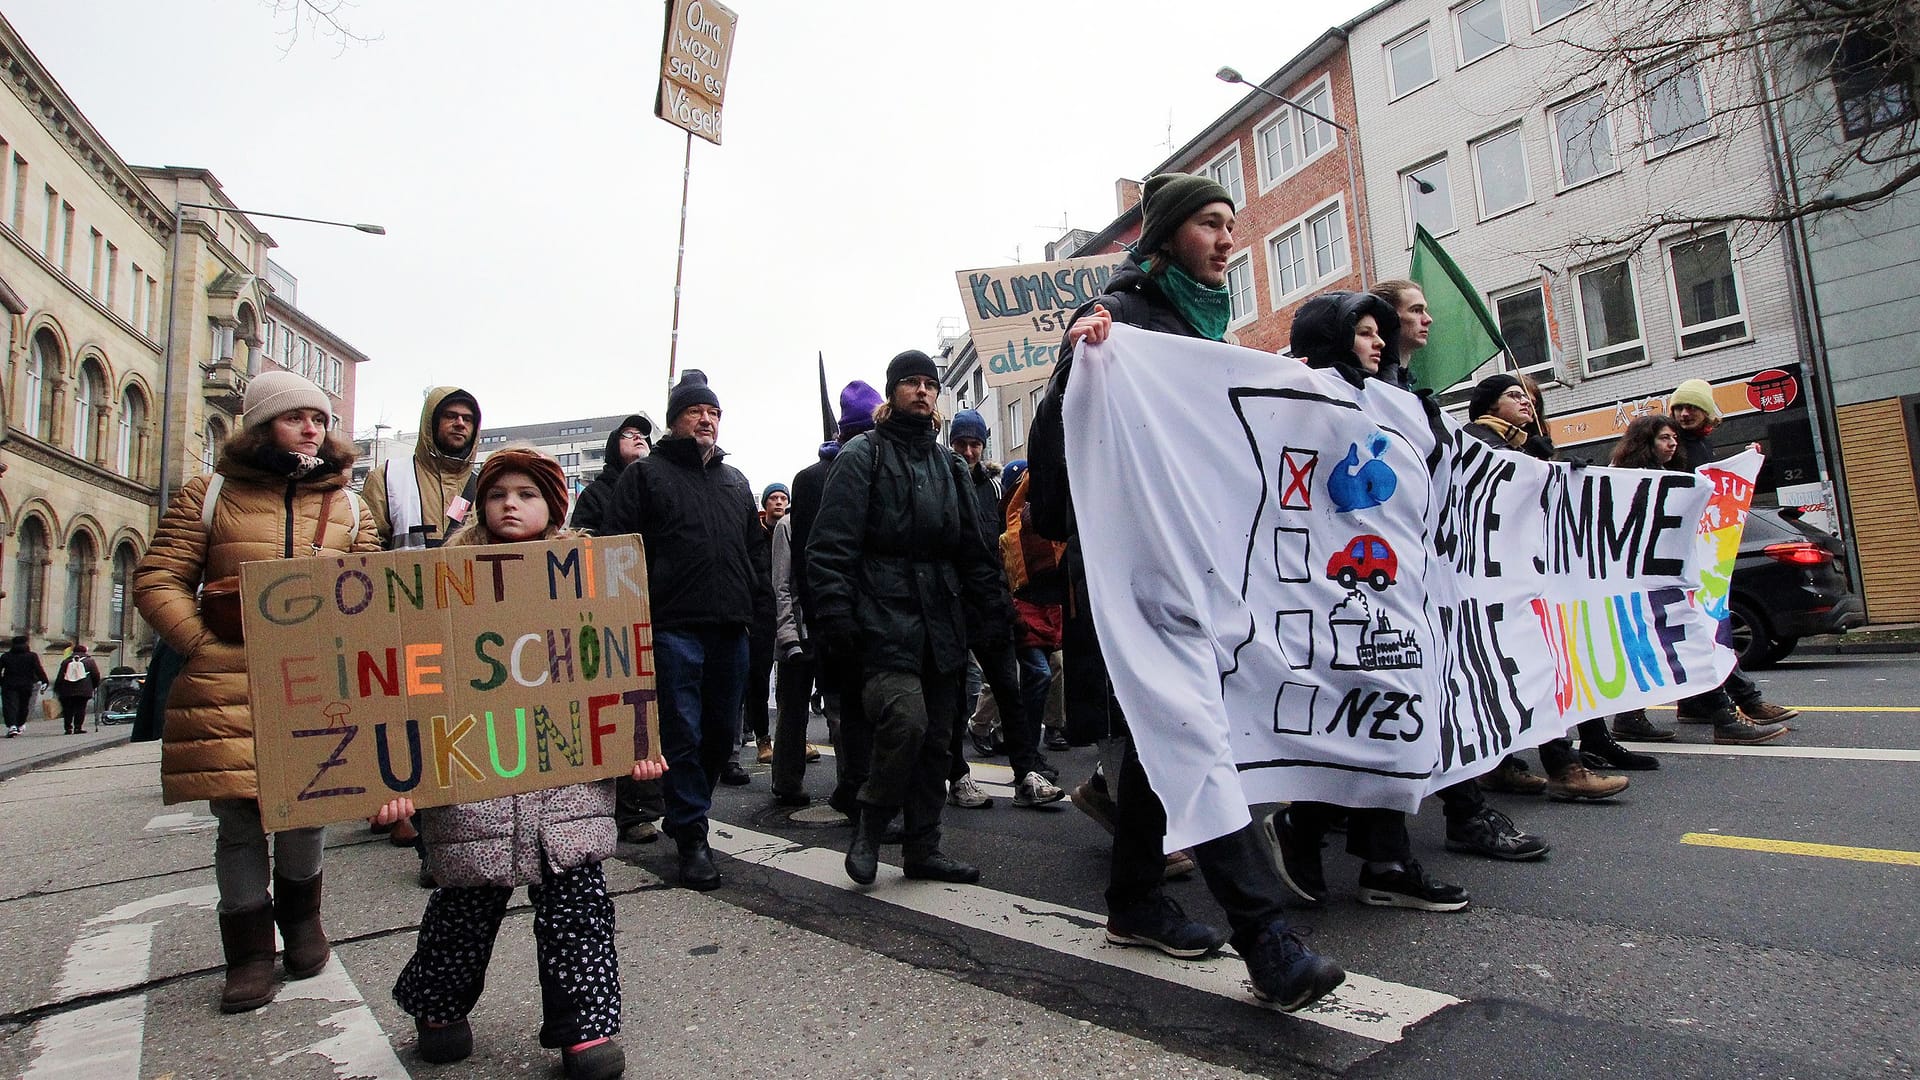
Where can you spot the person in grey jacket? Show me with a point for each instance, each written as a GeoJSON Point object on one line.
{"type": "Point", "coordinates": [552, 841]}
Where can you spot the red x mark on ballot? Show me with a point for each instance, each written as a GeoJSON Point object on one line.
{"type": "Point", "coordinates": [1296, 487]}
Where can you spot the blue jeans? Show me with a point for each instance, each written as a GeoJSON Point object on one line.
{"type": "Point", "coordinates": [1036, 679]}
{"type": "Point", "coordinates": [702, 674]}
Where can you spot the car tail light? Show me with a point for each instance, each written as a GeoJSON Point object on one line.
{"type": "Point", "coordinates": [1799, 553]}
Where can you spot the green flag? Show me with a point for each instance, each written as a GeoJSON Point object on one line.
{"type": "Point", "coordinates": [1464, 333]}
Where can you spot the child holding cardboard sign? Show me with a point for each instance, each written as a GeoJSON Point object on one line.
{"type": "Point", "coordinates": [551, 841]}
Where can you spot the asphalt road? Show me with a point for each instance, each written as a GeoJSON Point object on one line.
{"type": "Point", "coordinates": [1738, 913]}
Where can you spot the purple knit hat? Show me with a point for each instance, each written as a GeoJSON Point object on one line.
{"type": "Point", "coordinates": [857, 403]}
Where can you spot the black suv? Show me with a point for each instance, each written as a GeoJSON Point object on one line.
{"type": "Point", "coordinates": [1789, 580]}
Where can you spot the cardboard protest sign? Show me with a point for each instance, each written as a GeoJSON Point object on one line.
{"type": "Point", "coordinates": [1318, 595]}
{"type": "Point", "coordinates": [1017, 314]}
{"type": "Point", "coordinates": [694, 60]}
{"type": "Point", "coordinates": [446, 675]}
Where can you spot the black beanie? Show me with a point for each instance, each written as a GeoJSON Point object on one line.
{"type": "Point", "coordinates": [1487, 392]}
{"type": "Point", "coordinates": [911, 362]}
{"type": "Point", "coordinates": [691, 390]}
{"type": "Point", "coordinates": [1169, 200]}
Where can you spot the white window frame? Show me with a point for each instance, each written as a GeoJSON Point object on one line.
{"type": "Point", "coordinates": [1313, 279]}
{"type": "Point", "coordinates": [1540, 24]}
{"type": "Point", "coordinates": [1459, 41]}
{"type": "Point", "coordinates": [1639, 317]}
{"type": "Point", "coordinates": [1553, 131]}
{"type": "Point", "coordinates": [1394, 90]}
{"type": "Point", "coordinates": [1237, 189]}
{"type": "Point", "coordinates": [1708, 129]}
{"type": "Point", "coordinates": [87, 389]}
{"type": "Point", "coordinates": [1296, 122]}
{"type": "Point", "coordinates": [129, 434]}
{"type": "Point", "coordinates": [1015, 429]}
{"type": "Point", "coordinates": [1408, 191]}
{"type": "Point", "coordinates": [1545, 373]}
{"type": "Point", "coordinates": [1479, 185]}
{"type": "Point", "coordinates": [1243, 262]}
{"type": "Point", "coordinates": [1745, 316]}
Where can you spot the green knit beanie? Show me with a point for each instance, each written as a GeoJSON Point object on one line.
{"type": "Point", "coordinates": [1169, 200]}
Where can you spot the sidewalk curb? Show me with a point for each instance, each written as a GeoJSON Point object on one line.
{"type": "Point", "coordinates": [14, 768]}
{"type": "Point", "coordinates": [1858, 648]}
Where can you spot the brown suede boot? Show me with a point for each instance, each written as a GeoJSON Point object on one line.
{"type": "Point", "coordinates": [247, 939]}
{"type": "Point", "coordinates": [296, 907]}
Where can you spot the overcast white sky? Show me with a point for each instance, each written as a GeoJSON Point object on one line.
{"type": "Point", "coordinates": [531, 197]}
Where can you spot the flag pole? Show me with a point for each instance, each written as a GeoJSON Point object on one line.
{"type": "Point", "coordinates": [680, 263]}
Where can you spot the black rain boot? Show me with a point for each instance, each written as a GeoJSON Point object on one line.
{"type": "Point", "coordinates": [1598, 743]}
{"type": "Point", "coordinates": [696, 861]}
{"type": "Point", "coordinates": [863, 855]}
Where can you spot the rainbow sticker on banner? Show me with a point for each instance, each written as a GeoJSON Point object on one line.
{"type": "Point", "coordinates": [1721, 525]}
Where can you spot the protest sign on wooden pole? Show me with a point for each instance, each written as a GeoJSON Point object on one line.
{"type": "Point", "coordinates": [695, 55]}
{"type": "Point", "coordinates": [1017, 314]}
{"type": "Point", "coordinates": [446, 675]}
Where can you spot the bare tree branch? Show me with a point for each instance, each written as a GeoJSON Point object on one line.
{"type": "Point", "coordinates": [327, 18]}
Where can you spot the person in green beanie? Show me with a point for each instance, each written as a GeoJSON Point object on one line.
{"type": "Point", "coordinates": [1173, 283]}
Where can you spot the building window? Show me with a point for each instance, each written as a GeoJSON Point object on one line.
{"type": "Point", "coordinates": [1706, 292]}
{"type": "Point", "coordinates": [30, 578]}
{"type": "Point", "coordinates": [306, 359]}
{"type": "Point", "coordinates": [1290, 139]}
{"type": "Point", "coordinates": [567, 460]}
{"type": "Point", "coordinates": [120, 608]}
{"type": "Point", "coordinates": [49, 243]}
{"type": "Point", "coordinates": [1480, 28]}
{"type": "Point", "coordinates": [1500, 172]}
{"type": "Point", "coordinates": [212, 439]}
{"type": "Point", "coordinates": [79, 611]}
{"type": "Point", "coordinates": [1240, 288]}
{"type": "Point", "coordinates": [133, 423]}
{"type": "Point", "coordinates": [66, 238]}
{"type": "Point", "coordinates": [96, 260]}
{"type": "Point", "coordinates": [1547, 11]}
{"type": "Point", "coordinates": [1676, 106]}
{"type": "Point", "coordinates": [19, 202]}
{"type": "Point", "coordinates": [1610, 318]}
{"type": "Point", "coordinates": [1429, 199]}
{"type": "Point", "coordinates": [1523, 325]}
{"type": "Point", "coordinates": [43, 360]}
{"type": "Point", "coordinates": [1583, 139]}
{"type": "Point", "coordinates": [135, 297]}
{"type": "Point", "coordinates": [1409, 64]}
{"type": "Point", "coordinates": [1316, 135]}
{"type": "Point", "coordinates": [1277, 154]}
{"type": "Point", "coordinates": [1873, 91]}
{"type": "Point", "coordinates": [269, 331]}
{"type": "Point", "coordinates": [113, 276]}
{"type": "Point", "coordinates": [1016, 428]}
{"type": "Point", "coordinates": [1329, 231]}
{"type": "Point", "coordinates": [1287, 254]}
{"type": "Point", "coordinates": [152, 308]}
{"type": "Point", "coordinates": [90, 393]}
{"type": "Point", "coordinates": [1225, 171]}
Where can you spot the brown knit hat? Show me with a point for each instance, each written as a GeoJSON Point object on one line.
{"type": "Point", "coordinates": [546, 473]}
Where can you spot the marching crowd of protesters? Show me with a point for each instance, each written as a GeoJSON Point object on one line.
{"type": "Point", "coordinates": [906, 588]}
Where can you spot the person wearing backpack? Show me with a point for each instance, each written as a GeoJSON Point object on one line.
{"type": "Point", "coordinates": [278, 491]}
{"type": "Point", "coordinates": [20, 674]}
{"type": "Point", "coordinates": [78, 678]}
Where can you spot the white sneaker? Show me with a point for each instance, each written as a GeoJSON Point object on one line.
{"type": "Point", "coordinates": [967, 795]}
{"type": "Point", "coordinates": [1036, 790]}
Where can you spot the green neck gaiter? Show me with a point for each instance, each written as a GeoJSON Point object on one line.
{"type": "Point", "coordinates": [1206, 307]}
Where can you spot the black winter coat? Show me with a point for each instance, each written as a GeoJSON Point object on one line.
{"type": "Point", "coordinates": [590, 509]}
{"type": "Point", "coordinates": [1696, 449]}
{"type": "Point", "coordinates": [20, 669]}
{"type": "Point", "coordinates": [700, 526]}
{"type": "Point", "coordinates": [803, 506]}
{"type": "Point", "coordinates": [896, 557]}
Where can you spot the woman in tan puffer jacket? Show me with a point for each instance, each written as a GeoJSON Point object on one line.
{"type": "Point", "coordinates": [277, 478]}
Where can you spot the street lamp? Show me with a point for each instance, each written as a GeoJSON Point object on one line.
{"type": "Point", "coordinates": [1229, 75]}
{"type": "Point", "coordinates": [173, 284]}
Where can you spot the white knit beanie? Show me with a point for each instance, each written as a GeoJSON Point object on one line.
{"type": "Point", "coordinates": [271, 393]}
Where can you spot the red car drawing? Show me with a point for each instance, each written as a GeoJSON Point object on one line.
{"type": "Point", "coordinates": [1366, 558]}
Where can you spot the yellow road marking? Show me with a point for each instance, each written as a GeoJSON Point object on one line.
{"type": "Point", "coordinates": [1794, 847]}
{"type": "Point", "coordinates": [1820, 708]}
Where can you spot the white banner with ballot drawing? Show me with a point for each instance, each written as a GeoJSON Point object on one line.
{"type": "Point", "coordinates": [1303, 591]}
